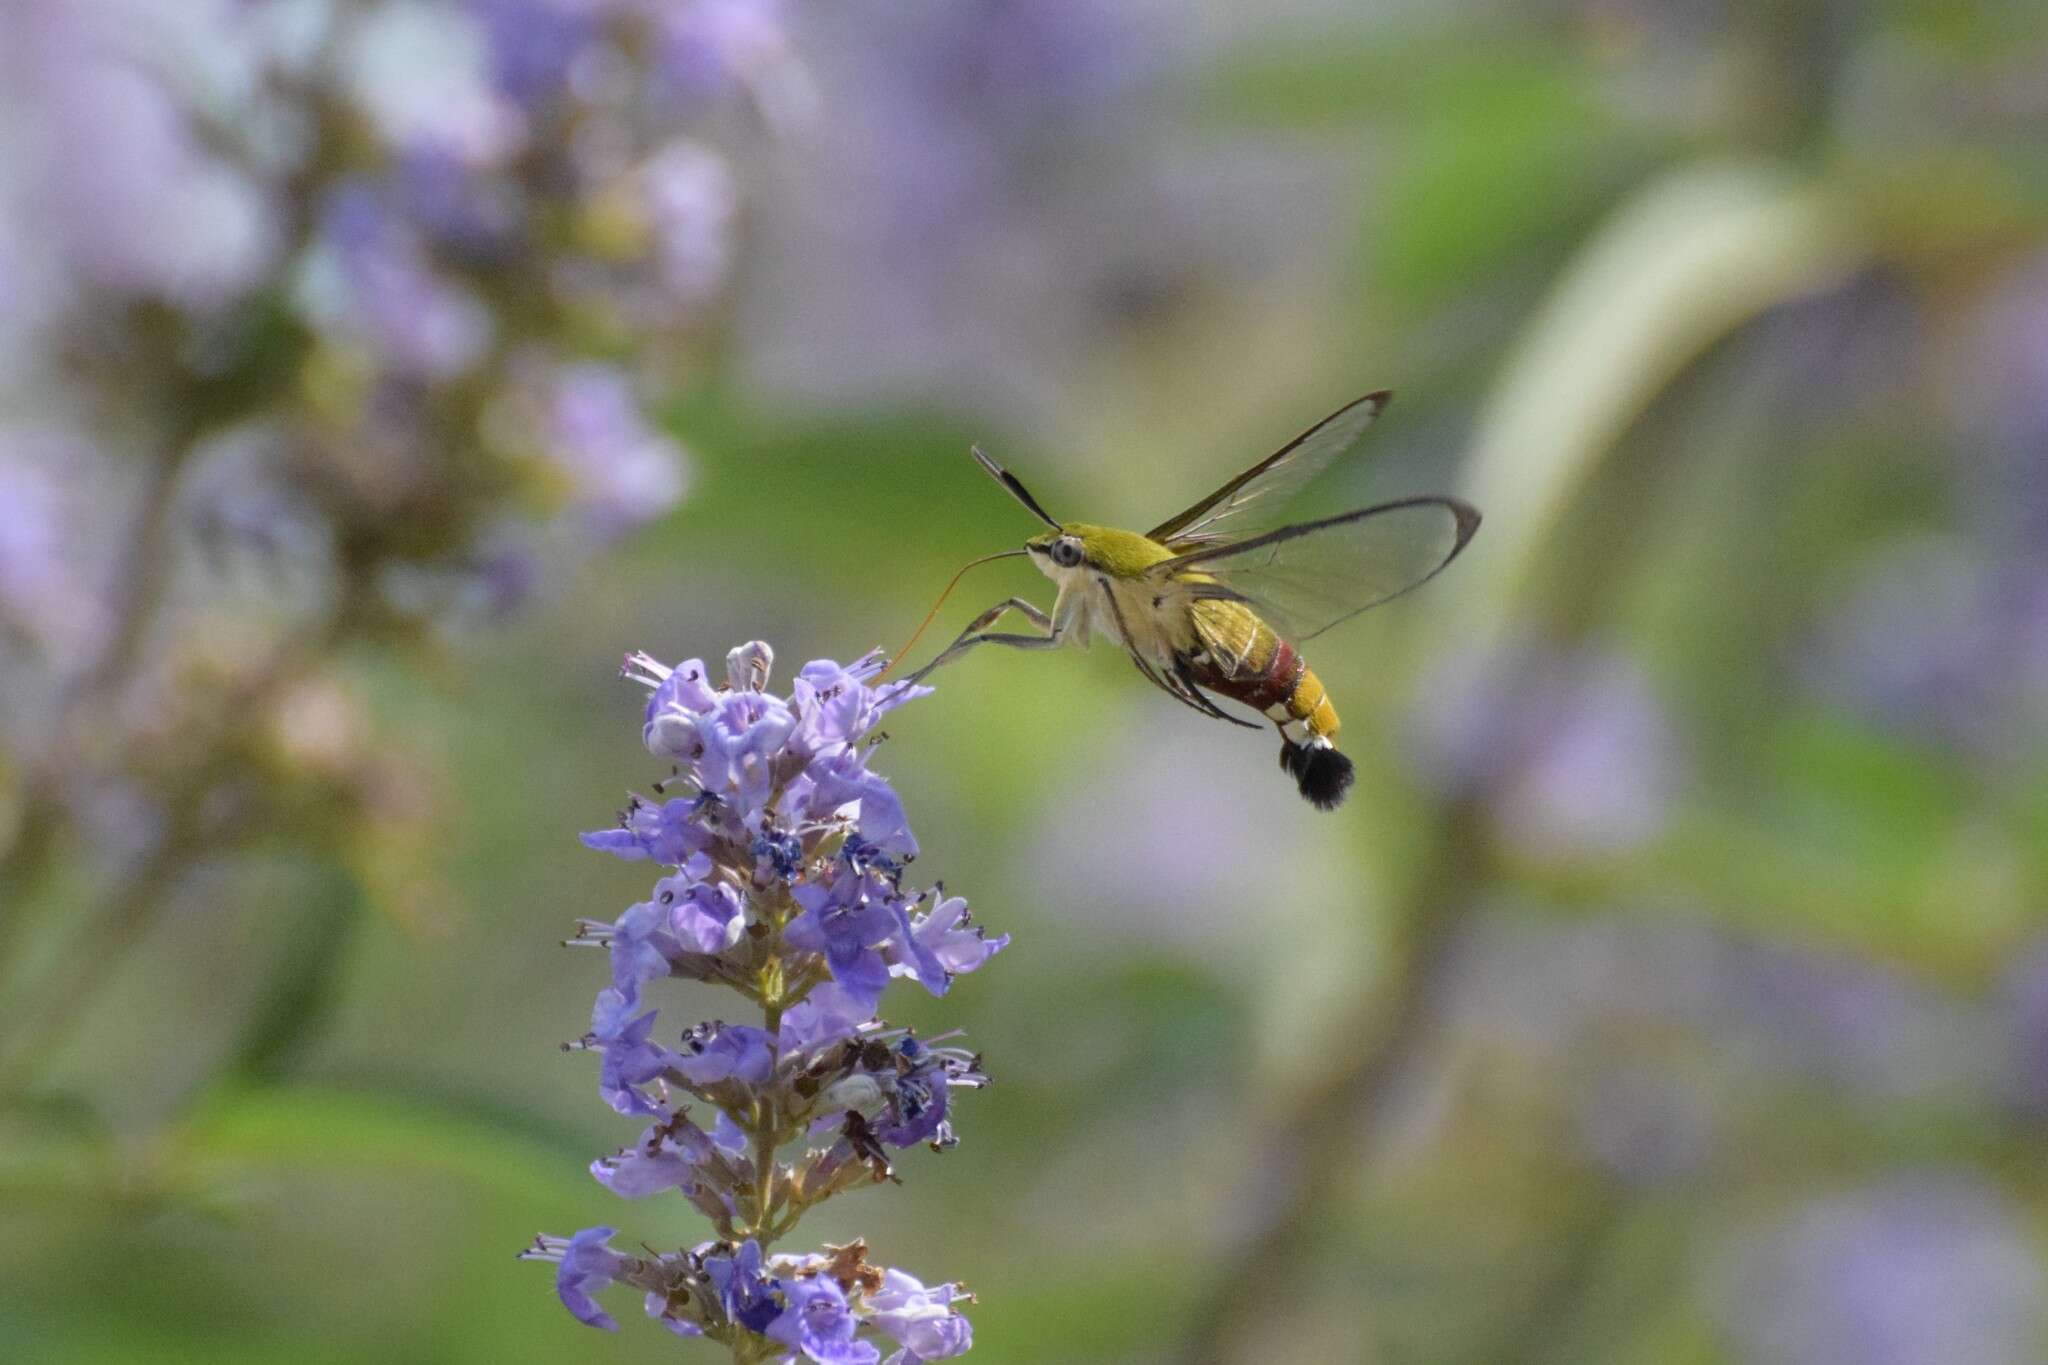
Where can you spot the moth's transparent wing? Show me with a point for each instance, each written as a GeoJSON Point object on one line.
{"type": "Point", "coordinates": [1248, 501]}
{"type": "Point", "coordinates": [1305, 578]}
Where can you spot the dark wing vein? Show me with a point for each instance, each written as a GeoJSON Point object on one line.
{"type": "Point", "coordinates": [1272, 480]}
{"type": "Point", "coordinates": [1306, 578]}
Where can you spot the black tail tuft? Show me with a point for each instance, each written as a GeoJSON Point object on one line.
{"type": "Point", "coordinates": [1322, 773]}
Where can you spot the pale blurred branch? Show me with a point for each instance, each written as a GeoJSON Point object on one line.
{"type": "Point", "coordinates": [1690, 259]}
{"type": "Point", "coordinates": [1330, 1131]}
{"type": "Point", "coordinates": [137, 591]}
{"type": "Point", "coordinates": [100, 940]}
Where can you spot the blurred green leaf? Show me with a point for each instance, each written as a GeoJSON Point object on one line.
{"type": "Point", "coordinates": [300, 991]}
{"type": "Point", "coordinates": [1691, 257]}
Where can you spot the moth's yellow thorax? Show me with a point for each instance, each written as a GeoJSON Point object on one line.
{"type": "Point", "coordinates": [1120, 554]}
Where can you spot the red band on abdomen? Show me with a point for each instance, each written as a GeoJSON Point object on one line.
{"type": "Point", "coordinates": [1271, 686]}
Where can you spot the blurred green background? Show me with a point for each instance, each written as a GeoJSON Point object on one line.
{"type": "Point", "coordinates": [1673, 987]}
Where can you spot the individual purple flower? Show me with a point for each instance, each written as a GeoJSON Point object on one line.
{"type": "Point", "coordinates": [846, 925]}
{"type": "Point", "coordinates": [922, 1321]}
{"type": "Point", "coordinates": [841, 780]}
{"type": "Point", "coordinates": [677, 698]}
{"type": "Point", "coordinates": [948, 937]}
{"type": "Point", "coordinates": [631, 1058]}
{"type": "Point", "coordinates": [738, 743]}
{"type": "Point", "coordinates": [668, 1156]}
{"type": "Point", "coordinates": [916, 1109]}
{"type": "Point", "coordinates": [717, 1052]}
{"type": "Point", "coordinates": [818, 1324]}
{"type": "Point", "coordinates": [746, 1294]}
{"type": "Point", "coordinates": [706, 916]}
{"type": "Point", "coordinates": [837, 705]}
{"type": "Point", "coordinates": [644, 948]}
{"type": "Point", "coordinates": [671, 832]}
{"type": "Point", "coordinates": [586, 1265]}
{"type": "Point", "coordinates": [828, 1015]}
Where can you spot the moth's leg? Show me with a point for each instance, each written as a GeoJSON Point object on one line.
{"type": "Point", "coordinates": [977, 633]}
{"type": "Point", "coordinates": [995, 614]}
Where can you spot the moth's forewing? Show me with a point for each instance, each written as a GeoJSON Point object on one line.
{"type": "Point", "coordinates": [1265, 488]}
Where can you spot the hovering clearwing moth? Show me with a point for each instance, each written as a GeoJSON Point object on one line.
{"type": "Point", "coordinates": [1215, 601]}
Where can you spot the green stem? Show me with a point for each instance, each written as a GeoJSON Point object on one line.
{"type": "Point", "coordinates": [768, 1135]}
{"type": "Point", "coordinates": [125, 915]}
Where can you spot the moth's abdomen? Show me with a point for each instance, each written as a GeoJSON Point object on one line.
{"type": "Point", "coordinates": [1276, 681]}
{"type": "Point", "coordinates": [1310, 703]}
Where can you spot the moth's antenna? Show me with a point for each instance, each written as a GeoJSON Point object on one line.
{"type": "Point", "coordinates": [909, 644]}
{"type": "Point", "coordinates": [1017, 489]}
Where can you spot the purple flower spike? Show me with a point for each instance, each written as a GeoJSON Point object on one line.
{"type": "Point", "coordinates": [784, 863]}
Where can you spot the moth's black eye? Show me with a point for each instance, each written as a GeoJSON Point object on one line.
{"type": "Point", "coordinates": [1066, 553]}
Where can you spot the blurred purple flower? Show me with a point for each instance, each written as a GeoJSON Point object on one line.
{"type": "Point", "coordinates": [709, 48]}
{"type": "Point", "coordinates": [1660, 1031]}
{"type": "Point", "coordinates": [535, 45]}
{"type": "Point", "coordinates": [1933, 1268]}
{"type": "Point", "coordinates": [375, 281]}
{"type": "Point", "coordinates": [2002, 391]}
{"type": "Point", "coordinates": [690, 204]}
{"type": "Point", "coordinates": [2023, 1007]}
{"type": "Point", "coordinates": [1570, 751]}
{"type": "Point", "coordinates": [43, 593]}
{"type": "Point", "coordinates": [422, 73]}
{"type": "Point", "coordinates": [1935, 639]}
{"type": "Point", "coordinates": [477, 214]}
{"type": "Point", "coordinates": [135, 200]}
{"type": "Point", "coordinates": [1647, 1122]}
{"type": "Point", "coordinates": [974, 152]}
{"type": "Point", "coordinates": [622, 473]}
